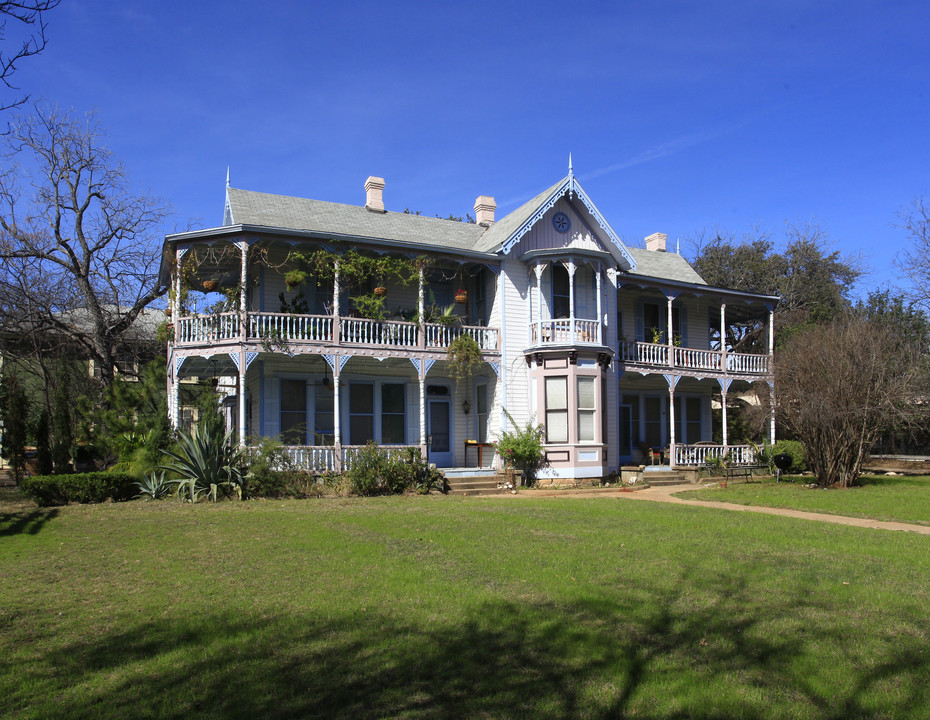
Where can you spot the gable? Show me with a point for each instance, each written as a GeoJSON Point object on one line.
{"type": "Point", "coordinates": [588, 228]}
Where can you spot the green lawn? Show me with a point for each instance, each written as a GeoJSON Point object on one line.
{"type": "Point", "coordinates": [435, 607]}
{"type": "Point", "coordinates": [899, 498]}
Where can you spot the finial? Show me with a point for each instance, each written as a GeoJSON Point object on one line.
{"type": "Point", "coordinates": [227, 176]}
{"type": "Point", "coordinates": [569, 163]}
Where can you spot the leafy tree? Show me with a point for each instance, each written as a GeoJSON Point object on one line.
{"type": "Point", "coordinates": [29, 18]}
{"type": "Point", "coordinates": [813, 284]}
{"type": "Point", "coordinates": [14, 409]}
{"type": "Point", "coordinates": [79, 250]}
{"type": "Point", "coordinates": [838, 385]}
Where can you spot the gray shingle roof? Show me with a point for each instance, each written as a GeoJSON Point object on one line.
{"type": "Point", "coordinates": [670, 266]}
{"type": "Point", "coordinates": [500, 231]}
{"type": "Point", "coordinates": [335, 219]}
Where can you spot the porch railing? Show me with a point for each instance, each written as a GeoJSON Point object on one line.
{"type": "Point", "coordinates": [440, 336]}
{"type": "Point", "coordinates": [564, 331]}
{"type": "Point", "coordinates": [322, 458]}
{"type": "Point", "coordinates": [700, 454]}
{"type": "Point", "coordinates": [693, 359]}
{"type": "Point", "coordinates": [208, 328]}
{"type": "Point", "coordinates": [287, 327]}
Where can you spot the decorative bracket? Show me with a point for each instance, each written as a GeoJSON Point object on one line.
{"type": "Point", "coordinates": [672, 380]}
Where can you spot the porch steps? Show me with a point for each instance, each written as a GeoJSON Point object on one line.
{"type": "Point", "coordinates": [472, 481]}
{"type": "Point", "coordinates": [656, 478]}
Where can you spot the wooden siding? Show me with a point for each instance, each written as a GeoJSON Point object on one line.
{"type": "Point", "coordinates": [543, 236]}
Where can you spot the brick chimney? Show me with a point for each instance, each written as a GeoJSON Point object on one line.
{"type": "Point", "coordinates": [374, 200]}
{"type": "Point", "coordinates": [484, 210]}
{"type": "Point", "coordinates": [656, 242]}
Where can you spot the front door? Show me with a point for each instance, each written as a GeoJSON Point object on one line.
{"type": "Point", "coordinates": [439, 433]}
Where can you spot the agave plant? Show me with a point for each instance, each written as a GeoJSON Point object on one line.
{"type": "Point", "coordinates": [153, 486]}
{"type": "Point", "coordinates": [207, 463]}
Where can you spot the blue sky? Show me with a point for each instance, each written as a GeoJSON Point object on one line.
{"type": "Point", "coordinates": [681, 117]}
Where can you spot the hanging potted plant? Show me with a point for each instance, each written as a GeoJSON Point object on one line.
{"type": "Point", "coordinates": [293, 278]}
{"type": "Point", "coordinates": [461, 297]}
{"type": "Point", "coordinates": [464, 357]}
{"type": "Point", "coordinates": [211, 285]}
{"type": "Point", "coordinates": [380, 291]}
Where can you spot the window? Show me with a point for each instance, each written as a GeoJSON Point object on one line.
{"type": "Point", "coordinates": [293, 412]}
{"type": "Point", "coordinates": [481, 302]}
{"type": "Point", "coordinates": [561, 297]}
{"type": "Point", "coordinates": [361, 413]}
{"type": "Point", "coordinates": [556, 409]}
{"type": "Point", "coordinates": [481, 412]}
{"type": "Point", "coordinates": [324, 432]}
{"type": "Point", "coordinates": [652, 323]}
{"type": "Point", "coordinates": [393, 418]}
{"type": "Point", "coordinates": [586, 409]}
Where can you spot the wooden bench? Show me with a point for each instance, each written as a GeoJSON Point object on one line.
{"type": "Point", "coordinates": [742, 471]}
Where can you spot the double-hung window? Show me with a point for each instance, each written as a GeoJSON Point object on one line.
{"type": "Point", "coordinates": [557, 409]}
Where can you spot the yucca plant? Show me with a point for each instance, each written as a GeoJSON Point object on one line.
{"type": "Point", "coordinates": [153, 486]}
{"type": "Point", "coordinates": [207, 463]}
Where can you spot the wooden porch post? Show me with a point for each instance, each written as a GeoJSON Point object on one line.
{"type": "Point", "coordinates": [672, 382]}
{"type": "Point", "coordinates": [723, 341]}
{"type": "Point", "coordinates": [539, 268]}
{"type": "Point", "coordinates": [669, 331]}
{"type": "Point", "coordinates": [571, 300]}
{"type": "Point", "coordinates": [724, 388]}
{"type": "Point", "coordinates": [337, 322]}
{"type": "Point", "coordinates": [421, 309]}
{"type": "Point", "coordinates": [422, 380]}
{"type": "Point", "coordinates": [242, 407]}
{"type": "Point", "coordinates": [337, 413]}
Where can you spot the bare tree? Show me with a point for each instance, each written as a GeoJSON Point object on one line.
{"type": "Point", "coordinates": [80, 251]}
{"type": "Point", "coordinates": [29, 18]}
{"type": "Point", "coordinates": [839, 385]}
{"type": "Point", "coordinates": [915, 220]}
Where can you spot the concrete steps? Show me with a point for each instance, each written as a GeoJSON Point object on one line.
{"type": "Point", "coordinates": [472, 481]}
{"type": "Point", "coordinates": [658, 478]}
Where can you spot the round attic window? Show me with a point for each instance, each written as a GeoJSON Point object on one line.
{"type": "Point", "coordinates": [561, 223]}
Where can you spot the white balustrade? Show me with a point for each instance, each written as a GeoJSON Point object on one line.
{"type": "Point", "coordinates": [748, 363]}
{"type": "Point", "coordinates": [701, 454]}
{"type": "Point", "coordinates": [287, 327]}
{"type": "Point", "coordinates": [440, 336]}
{"type": "Point", "coordinates": [217, 327]}
{"type": "Point", "coordinates": [692, 358]}
{"type": "Point", "coordinates": [389, 333]}
{"type": "Point", "coordinates": [697, 359]}
{"type": "Point", "coordinates": [312, 458]}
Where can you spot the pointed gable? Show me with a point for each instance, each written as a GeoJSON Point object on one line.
{"type": "Point", "coordinates": [587, 227]}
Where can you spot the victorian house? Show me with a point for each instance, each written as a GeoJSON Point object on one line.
{"type": "Point", "coordinates": [615, 350]}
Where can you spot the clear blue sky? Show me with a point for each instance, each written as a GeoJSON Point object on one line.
{"type": "Point", "coordinates": [680, 116]}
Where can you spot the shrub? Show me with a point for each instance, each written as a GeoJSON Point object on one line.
{"type": "Point", "coordinates": [92, 487]}
{"type": "Point", "coordinates": [796, 450]}
{"type": "Point", "coordinates": [376, 472]}
{"type": "Point", "coordinates": [153, 486]}
{"type": "Point", "coordinates": [523, 449]}
{"type": "Point", "coordinates": [272, 474]}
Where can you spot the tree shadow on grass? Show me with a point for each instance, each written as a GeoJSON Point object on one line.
{"type": "Point", "coordinates": [658, 653]}
{"type": "Point", "coordinates": [25, 523]}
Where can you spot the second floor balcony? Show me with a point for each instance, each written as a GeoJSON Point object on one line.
{"type": "Point", "coordinates": [658, 356]}
{"type": "Point", "coordinates": [231, 328]}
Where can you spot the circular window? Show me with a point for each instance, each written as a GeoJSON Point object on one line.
{"type": "Point", "coordinates": [561, 222]}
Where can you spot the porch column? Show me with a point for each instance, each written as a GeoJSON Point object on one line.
{"type": "Point", "coordinates": [242, 370]}
{"type": "Point", "coordinates": [421, 376]}
{"type": "Point", "coordinates": [670, 330]}
{"type": "Point", "coordinates": [538, 268]}
{"type": "Point", "coordinates": [771, 338]}
{"type": "Point", "coordinates": [421, 320]}
{"type": "Point", "coordinates": [174, 386]}
{"type": "Point", "coordinates": [337, 323]}
{"type": "Point", "coordinates": [600, 319]}
{"type": "Point", "coordinates": [723, 343]}
{"type": "Point", "coordinates": [724, 388]}
{"type": "Point", "coordinates": [337, 413]}
{"type": "Point", "coordinates": [672, 382]}
{"type": "Point", "coordinates": [772, 418]}
{"type": "Point", "coordinates": [243, 294]}
{"type": "Point", "coordinates": [176, 310]}
{"type": "Point", "coordinates": [571, 300]}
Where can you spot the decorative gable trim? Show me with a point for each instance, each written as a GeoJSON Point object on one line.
{"type": "Point", "coordinates": [569, 186]}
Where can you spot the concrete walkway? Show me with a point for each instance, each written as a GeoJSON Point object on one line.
{"type": "Point", "coordinates": [664, 494]}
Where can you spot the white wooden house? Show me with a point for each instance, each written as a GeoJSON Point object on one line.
{"type": "Point", "coordinates": [573, 326]}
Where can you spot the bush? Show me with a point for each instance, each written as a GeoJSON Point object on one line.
{"type": "Point", "coordinates": [208, 463]}
{"type": "Point", "coordinates": [376, 472]}
{"type": "Point", "coordinates": [796, 450]}
{"type": "Point", "coordinates": [523, 449]}
{"type": "Point", "coordinates": [92, 487]}
{"type": "Point", "coordinates": [273, 474]}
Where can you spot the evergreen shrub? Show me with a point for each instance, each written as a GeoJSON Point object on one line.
{"type": "Point", "coordinates": [92, 487]}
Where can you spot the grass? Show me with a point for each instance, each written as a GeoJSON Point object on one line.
{"type": "Point", "coordinates": [881, 497]}
{"type": "Point", "coordinates": [434, 607]}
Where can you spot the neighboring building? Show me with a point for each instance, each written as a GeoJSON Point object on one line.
{"type": "Point", "coordinates": [573, 326]}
